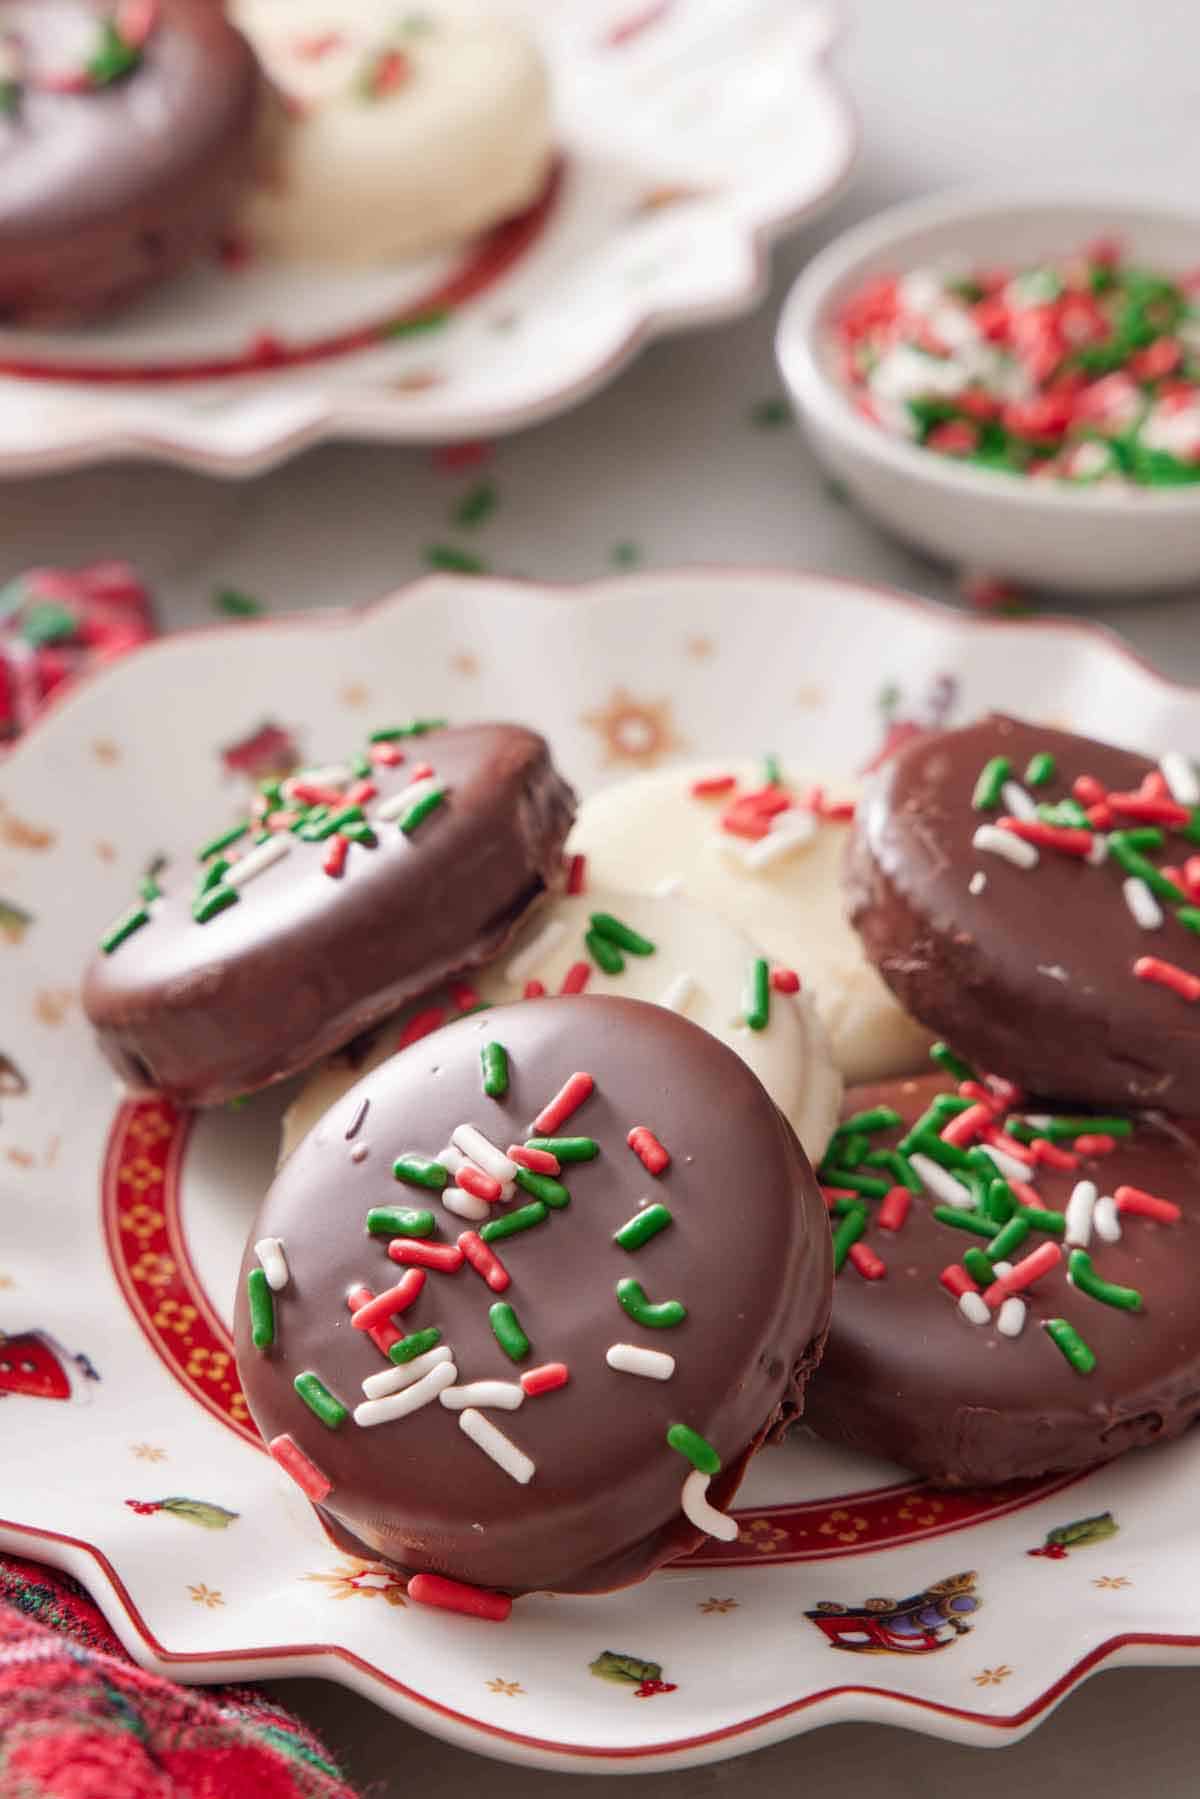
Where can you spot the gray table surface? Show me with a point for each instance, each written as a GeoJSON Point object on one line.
{"type": "Point", "coordinates": [1032, 93]}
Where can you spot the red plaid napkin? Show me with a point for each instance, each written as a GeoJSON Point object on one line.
{"type": "Point", "coordinates": [55, 623]}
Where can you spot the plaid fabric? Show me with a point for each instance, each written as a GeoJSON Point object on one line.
{"type": "Point", "coordinates": [79, 1721]}
{"type": "Point", "coordinates": [56, 624]}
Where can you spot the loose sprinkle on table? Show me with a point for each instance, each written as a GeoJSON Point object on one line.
{"type": "Point", "coordinates": [615, 931]}
{"type": "Point", "coordinates": [444, 1595]}
{"type": "Point", "coordinates": [758, 1001]}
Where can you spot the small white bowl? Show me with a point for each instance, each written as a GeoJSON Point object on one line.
{"type": "Point", "coordinates": [1079, 539]}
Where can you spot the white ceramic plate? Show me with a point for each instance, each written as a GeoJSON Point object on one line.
{"type": "Point", "coordinates": [692, 131]}
{"type": "Point", "coordinates": [120, 1225]}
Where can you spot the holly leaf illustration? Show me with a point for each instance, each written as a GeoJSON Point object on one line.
{"type": "Point", "coordinates": [1085, 1530]}
{"type": "Point", "coordinates": [199, 1511]}
{"type": "Point", "coordinates": [614, 1664]}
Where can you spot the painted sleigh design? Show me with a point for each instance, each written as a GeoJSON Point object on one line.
{"type": "Point", "coordinates": [932, 1619]}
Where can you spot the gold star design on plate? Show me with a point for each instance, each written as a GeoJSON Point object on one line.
{"type": "Point", "coordinates": [634, 730]}
{"type": "Point", "coordinates": [992, 1677]}
{"type": "Point", "coordinates": [354, 1578]}
{"type": "Point", "coordinates": [465, 662]}
{"type": "Point", "coordinates": [105, 750]}
{"type": "Point", "coordinates": [510, 1688]}
{"type": "Point", "coordinates": [20, 1158]}
{"type": "Point", "coordinates": [148, 1452]}
{"type": "Point", "coordinates": [717, 1605]}
{"type": "Point", "coordinates": [811, 695]}
{"type": "Point", "coordinates": [1112, 1582]}
{"type": "Point", "coordinates": [205, 1596]}
{"type": "Point", "coordinates": [106, 851]}
{"type": "Point", "coordinates": [355, 694]}
{"type": "Point", "coordinates": [6, 1283]}
{"type": "Point", "coordinates": [51, 1004]}
{"type": "Point", "coordinates": [699, 648]}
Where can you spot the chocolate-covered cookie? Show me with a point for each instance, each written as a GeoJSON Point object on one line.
{"type": "Point", "coordinates": [127, 134]}
{"type": "Point", "coordinates": [1033, 896]}
{"type": "Point", "coordinates": [1016, 1293]}
{"type": "Point", "coordinates": [344, 892]}
{"type": "Point", "coordinates": [566, 1395]}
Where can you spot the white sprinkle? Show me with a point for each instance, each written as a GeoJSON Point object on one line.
{"type": "Point", "coordinates": [942, 1184]}
{"type": "Point", "coordinates": [255, 860]}
{"type": "Point", "coordinates": [398, 804]}
{"type": "Point", "coordinates": [678, 995]}
{"type": "Point", "coordinates": [1017, 802]}
{"type": "Point", "coordinates": [1010, 1319]}
{"type": "Point", "coordinates": [1099, 850]}
{"type": "Point", "coordinates": [493, 1442]}
{"type": "Point", "coordinates": [506, 1395]}
{"type": "Point", "coordinates": [465, 1205]}
{"type": "Point", "coordinates": [696, 1509]}
{"type": "Point", "coordinates": [668, 887]}
{"type": "Point", "coordinates": [334, 774]}
{"type": "Point", "coordinates": [269, 1251]}
{"type": "Point", "coordinates": [405, 1374]}
{"type": "Point", "coordinates": [1106, 1220]}
{"type": "Point", "coordinates": [1142, 903]}
{"type": "Point", "coordinates": [977, 883]}
{"type": "Point", "coordinates": [1003, 843]}
{"type": "Point", "coordinates": [483, 1153]}
{"type": "Point", "coordinates": [1009, 1167]}
{"type": "Point", "coordinates": [1180, 775]}
{"type": "Point", "coordinates": [974, 1308]}
{"type": "Point", "coordinates": [782, 839]}
{"type": "Point", "coordinates": [1000, 1269]}
{"type": "Point", "coordinates": [1079, 1213]}
{"type": "Point", "coordinates": [410, 1399]}
{"type": "Point", "coordinates": [1053, 971]}
{"type": "Point", "coordinates": [454, 1160]}
{"type": "Point", "coordinates": [630, 1358]}
{"type": "Point", "coordinates": [1039, 1121]}
{"type": "Point", "coordinates": [527, 961]}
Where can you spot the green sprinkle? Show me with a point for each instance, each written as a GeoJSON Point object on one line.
{"type": "Point", "coordinates": [977, 1265]}
{"type": "Point", "coordinates": [697, 1449]}
{"type": "Point", "coordinates": [124, 927]}
{"type": "Point", "coordinates": [477, 504]}
{"type": "Point", "coordinates": [566, 1149]}
{"type": "Point", "coordinates": [906, 1175]}
{"type": "Point", "coordinates": [947, 1155]}
{"type": "Point", "coordinates": [1136, 864]}
{"type": "Point", "coordinates": [409, 1348]}
{"type": "Point", "coordinates": [506, 1329]}
{"type": "Point", "coordinates": [1142, 837]}
{"type": "Point", "coordinates": [852, 1226]}
{"type": "Point", "coordinates": [236, 604]}
{"type": "Point", "coordinates": [758, 1002]}
{"type": "Point", "coordinates": [1083, 1275]}
{"type": "Point", "coordinates": [869, 1185]}
{"type": "Point", "coordinates": [419, 1171]}
{"type": "Point", "coordinates": [852, 1149]}
{"type": "Point", "coordinates": [878, 1118]}
{"type": "Point", "coordinates": [389, 734]}
{"type": "Point", "coordinates": [944, 1107]}
{"type": "Point", "coordinates": [360, 767]}
{"type": "Point", "coordinates": [625, 555]}
{"type": "Point", "coordinates": [1191, 830]}
{"type": "Point", "coordinates": [420, 812]}
{"type": "Point", "coordinates": [223, 842]}
{"type": "Point", "coordinates": [48, 623]}
{"type": "Point", "coordinates": [1065, 812]}
{"type": "Point", "coordinates": [1040, 770]}
{"type": "Point", "coordinates": [1189, 917]}
{"type": "Point", "coordinates": [1062, 1129]}
{"type": "Point", "coordinates": [1071, 1344]}
{"type": "Point", "coordinates": [320, 1400]}
{"type": "Point", "coordinates": [1001, 1204]}
{"type": "Point", "coordinates": [419, 323]}
{"type": "Point", "coordinates": [614, 930]}
{"type": "Point", "coordinates": [964, 1221]}
{"type": "Point", "coordinates": [444, 556]}
{"type": "Point", "coordinates": [772, 772]}
{"type": "Point", "coordinates": [1007, 1241]}
{"type": "Point", "coordinates": [149, 888]}
{"type": "Point", "coordinates": [642, 1226]}
{"type": "Point", "coordinates": [114, 58]}
{"type": "Point", "coordinates": [944, 1056]}
{"type": "Point", "coordinates": [394, 1221]}
{"type": "Point", "coordinates": [604, 954]}
{"type": "Point", "coordinates": [544, 1187]}
{"type": "Point", "coordinates": [1053, 1223]}
{"type": "Point", "coordinates": [307, 826]}
{"type": "Point", "coordinates": [769, 415]}
{"type": "Point", "coordinates": [262, 1309]}
{"type": "Point", "coordinates": [510, 1224]}
{"type": "Point", "coordinates": [212, 876]}
{"type": "Point", "coordinates": [217, 899]}
{"type": "Point", "coordinates": [360, 833]}
{"type": "Point", "coordinates": [494, 1058]}
{"type": "Point", "coordinates": [663, 1316]}
{"type": "Point", "coordinates": [989, 786]}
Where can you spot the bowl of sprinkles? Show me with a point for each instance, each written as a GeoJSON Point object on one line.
{"type": "Point", "coordinates": [1012, 385]}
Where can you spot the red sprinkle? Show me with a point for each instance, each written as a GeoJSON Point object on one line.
{"type": "Point", "coordinates": [382, 1335]}
{"type": "Point", "coordinates": [1150, 809]}
{"type": "Point", "coordinates": [576, 874]}
{"type": "Point", "coordinates": [135, 20]}
{"type": "Point", "coordinates": [443, 1258]}
{"type": "Point", "coordinates": [1088, 790]}
{"type": "Point", "coordinates": [545, 1379]}
{"type": "Point", "coordinates": [982, 1095]}
{"type": "Point", "coordinates": [869, 1265]}
{"type": "Point", "coordinates": [313, 794]}
{"type": "Point", "coordinates": [711, 785]}
{"type": "Point", "coordinates": [538, 1161]}
{"type": "Point", "coordinates": [894, 1208]}
{"type": "Point", "coordinates": [956, 1280]}
{"type": "Point", "coordinates": [1053, 837]}
{"type": "Point", "coordinates": [479, 1183]}
{"type": "Point", "coordinates": [1020, 1152]}
{"type": "Point", "coordinates": [1007, 1093]}
{"type": "Point", "coordinates": [1154, 786]}
{"type": "Point", "coordinates": [334, 860]}
{"type": "Point", "coordinates": [576, 977]}
{"type": "Point", "coordinates": [455, 1596]}
{"type": "Point", "coordinates": [396, 1299]}
{"type": "Point", "coordinates": [831, 1195]}
{"type": "Point", "coordinates": [453, 458]}
{"type": "Point", "coordinates": [1145, 1205]}
{"type": "Point", "coordinates": [785, 980]}
{"type": "Point", "coordinates": [307, 1476]}
{"type": "Point", "coordinates": [966, 1126]}
{"type": "Point", "coordinates": [1045, 1257]}
{"type": "Point", "coordinates": [1095, 1145]}
{"type": "Point", "coordinates": [422, 772]}
{"type": "Point", "coordinates": [1049, 1154]}
{"type": "Point", "coordinates": [390, 73]}
{"type": "Point", "coordinates": [567, 1100]}
{"type": "Point", "coordinates": [463, 995]}
{"type": "Point", "coordinates": [386, 755]}
{"type": "Point", "coordinates": [648, 1150]}
{"type": "Point", "coordinates": [1167, 974]}
{"type": "Point", "coordinates": [1191, 877]}
{"type": "Point", "coordinates": [420, 1025]}
{"type": "Point", "coordinates": [534, 990]}
{"type": "Point", "coordinates": [360, 793]}
{"type": "Point", "coordinates": [483, 1260]}
{"type": "Point", "coordinates": [1102, 815]}
{"type": "Point", "coordinates": [1028, 1196]}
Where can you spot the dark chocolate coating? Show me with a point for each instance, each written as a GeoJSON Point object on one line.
{"type": "Point", "coordinates": [906, 1376]}
{"type": "Point", "coordinates": [305, 962]}
{"type": "Point", "coordinates": [747, 1253]}
{"type": "Point", "coordinates": [1033, 976]}
{"type": "Point", "coordinates": [106, 192]}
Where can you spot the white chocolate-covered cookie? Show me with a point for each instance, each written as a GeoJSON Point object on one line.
{"type": "Point", "coordinates": [783, 890]}
{"type": "Point", "coordinates": [407, 130]}
{"type": "Point", "coordinates": [699, 966]}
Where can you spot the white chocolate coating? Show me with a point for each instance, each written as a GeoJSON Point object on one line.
{"type": "Point", "coordinates": [650, 828]}
{"type": "Point", "coordinates": [463, 139]}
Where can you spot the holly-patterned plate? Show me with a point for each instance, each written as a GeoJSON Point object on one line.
{"type": "Point", "coordinates": [692, 132]}
{"type": "Point", "coordinates": [851, 1590]}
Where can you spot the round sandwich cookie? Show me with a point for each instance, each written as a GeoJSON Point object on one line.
{"type": "Point", "coordinates": [341, 893]}
{"type": "Point", "coordinates": [1015, 1288]}
{"type": "Point", "coordinates": [1035, 898]}
{"type": "Point", "coordinates": [764, 849]}
{"type": "Point", "coordinates": [127, 134]}
{"type": "Point", "coordinates": [406, 130]}
{"type": "Point", "coordinates": [564, 1394]}
{"type": "Point", "coordinates": [666, 950]}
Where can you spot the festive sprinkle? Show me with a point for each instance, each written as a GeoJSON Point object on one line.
{"type": "Point", "coordinates": [465, 1205]}
{"type": "Point", "coordinates": [576, 874]}
{"type": "Point", "coordinates": [576, 978]}
{"type": "Point", "coordinates": [535, 952]}
{"type": "Point", "coordinates": [978, 1266]}
{"type": "Point", "coordinates": [964, 1221]}
{"type": "Point", "coordinates": [125, 926]}
{"type": "Point", "coordinates": [269, 1251]}
{"type": "Point", "coordinates": [1070, 1344]}
{"type": "Point", "coordinates": [1080, 1208]}
{"type": "Point", "coordinates": [507, 1331]}
{"type": "Point", "coordinates": [630, 1358]}
{"type": "Point", "coordinates": [1019, 803]}
{"type": "Point", "coordinates": [223, 842]}
{"type": "Point", "coordinates": [262, 1308]}
{"type": "Point", "coordinates": [534, 990]}
{"type": "Point", "coordinates": [648, 1150]}
{"type": "Point", "coordinates": [851, 1227]}
{"type": "Point", "coordinates": [479, 1185]}
{"type": "Point", "coordinates": [697, 1510]}
{"type": "Point", "coordinates": [493, 1442]}
{"type": "Point", "coordinates": [383, 1333]}
{"type": "Point", "coordinates": [661, 1316]}
{"type": "Point", "coordinates": [409, 1399]}
{"type": "Point", "coordinates": [605, 955]}
{"type": "Point", "coordinates": [1009, 1238]}
{"type": "Point", "coordinates": [1025, 1272]}
{"type": "Point", "coordinates": [1058, 1126]}
{"type": "Point", "coordinates": [476, 505]}
{"type": "Point", "coordinates": [419, 1343]}
{"type": "Point", "coordinates": [398, 804]}
{"type": "Point", "coordinates": [863, 1259]}
{"type": "Point", "coordinates": [334, 860]}
{"type": "Point", "coordinates": [956, 1281]}
{"type": "Point", "coordinates": [613, 930]}
{"type": "Point", "coordinates": [455, 1596]}
{"type": "Point", "coordinates": [894, 1209]}
{"type": "Point", "coordinates": [563, 1149]}
{"type": "Point", "coordinates": [545, 1188]}
{"type": "Point", "coordinates": [1179, 773]}
{"type": "Point", "coordinates": [1138, 1204]}
{"type": "Point", "coordinates": [484, 1261]}
{"type": "Point", "coordinates": [939, 1181]}
{"type": "Point", "coordinates": [405, 1374]}
{"type": "Point", "coordinates": [420, 812]}
{"type": "Point", "coordinates": [1167, 974]}
{"type": "Point", "coordinates": [257, 860]}
{"type": "Point", "coordinates": [711, 785]}
{"type": "Point", "coordinates": [1082, 1274]}
{"type": "Point", "coordinates": [319, 1400]}
{"type": "Point", "coordinates": [386, 1305]}
{"type": "Point", "coordinates": [218, 900]}
{"type": "Point", "coordinates": [1041, 769]}
{"type": "Point", "coordinates": [538, 1161]}
{"type": "Point", "coordinates": [494, 1058]}
{"type": "Point", "coordinates": [418, 1171]}
{"type": "Point", "coordinates": [1144, 870]}
{"type": "Point", "coordinates": [642, 1226]}
{"type": "Point", "coordinates": [503, 1395]}
{"type": "Point", "coordinates": [758, 1002]}
{"type": "Point", "coordinates": [974, 1308]}
{"type": "Point", "coordinates": [1105, 1222]}
{"type": "Point", "coordinates": [990, 784]}
{"type": "Point", "coordinates": [1007, 845]}
{"type": "Point", "coordinates": [697, 1449]}
{"type": "Point", "coordinates": [513, 1223]}
{"type": "Point", "coordinates": [1010, 1319]}
{"type": "Point", "coordinates": [307, 1476]}
{"type": "Point", "coordinates": [785, 980]}
{"type": "Point", "coordinates": [944, 1056]}
{"type": "Point", "coordinates": [546, 1379]}
{"type": "Point", "coordinates": [869, 1185]}
{"type": "Point", "coordinates": [566, 1101]}
{"type": "Point", "coordinates": [445, 557]}
{"type": "Point", "coordinates": [443, 1258]}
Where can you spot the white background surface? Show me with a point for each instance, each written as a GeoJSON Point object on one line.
{"type": "Point", "coordinates": [1103, 94]}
